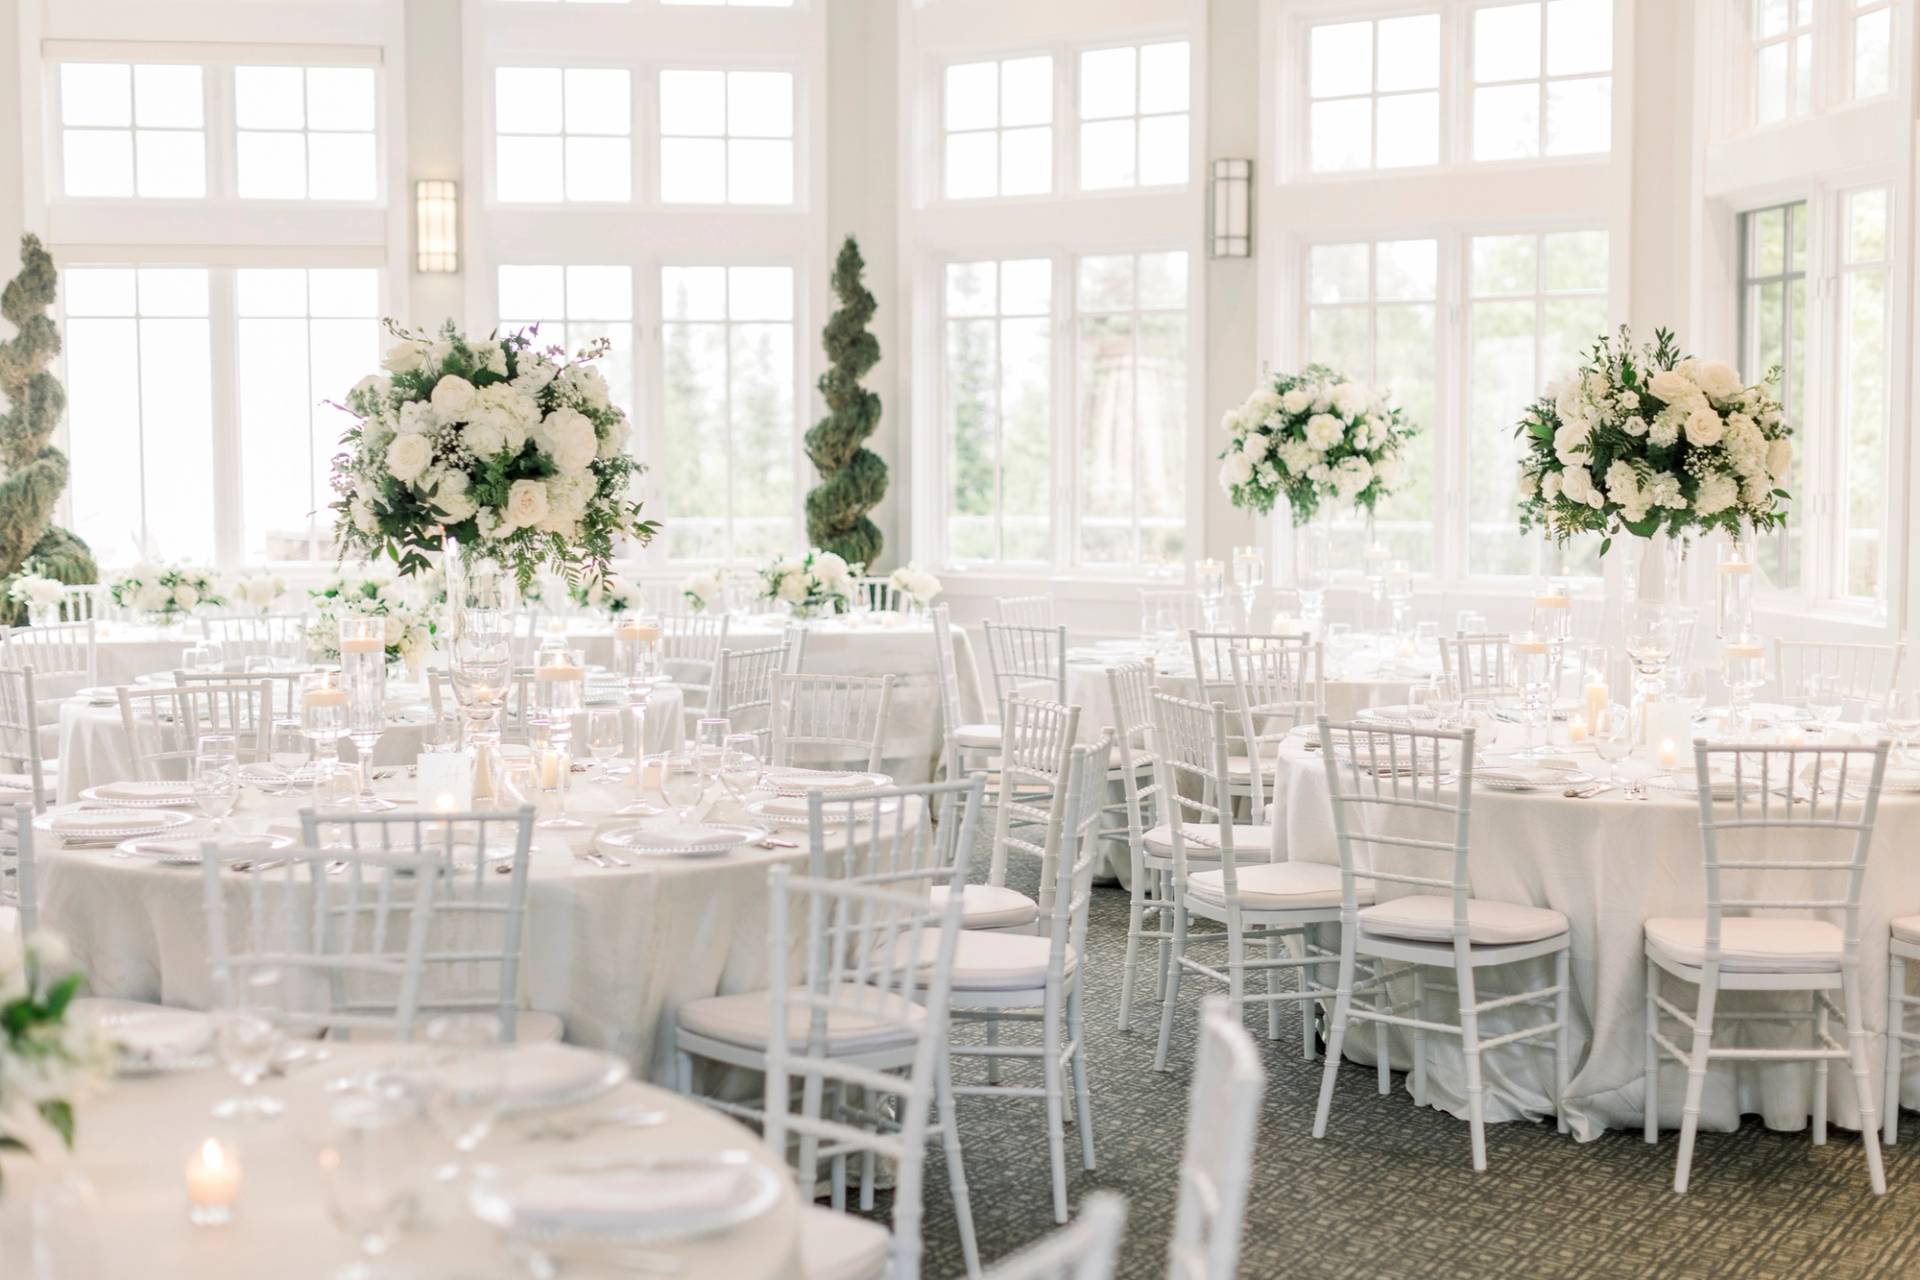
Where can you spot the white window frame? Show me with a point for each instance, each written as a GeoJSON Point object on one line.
{"type": "Point", "coordinates": [999, 130]}
{"type": "Point", "coordinates": [1303, 142]}
{"type": "Point", "coordinates": [1137, 116]}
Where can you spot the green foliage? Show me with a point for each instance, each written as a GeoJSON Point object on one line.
{"type": "Point", "coordinates": [35, 473]}
{"type": "Point", "coordinates": [853, 478]}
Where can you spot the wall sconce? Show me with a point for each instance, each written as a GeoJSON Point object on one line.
{"type": "Point", "coordinates": [1230, 216]}
{"type": "Point", "coordinates": [436, 205]}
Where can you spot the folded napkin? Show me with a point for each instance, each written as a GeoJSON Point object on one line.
{"type": "Point", "coordinates": [528, 1072]}
{"type": "Point", "coordinates": [598, 1195]}
{"type": "Point", "coordinates": [158, 1036]}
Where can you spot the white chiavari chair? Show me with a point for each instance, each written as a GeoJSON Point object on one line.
{"type": "Point", "coordinates": [283, 687]}
{"type": "Point", "coordinates": [1029, 661]}
{"type": "Point", "coordinates": [1903, 944]}
{"type": "Point", "coordinates": [1036, 749]}
{"type": "Point", "coordinates": [319, 950]}
{"type": "Point", "coordinates": [64, 658]}
{"type": "Point", "coordinates": [1479, 664]}
{"type": "Point", "coordinates": [1384, 781]}
{"type": "Point", "coordinates": [472, 962]}
{"type": "Point", "coordinates": [690, 645]}
{"type": "Point", "coordinates": [1223, 1115]}
{"type": "Point", "coordinates": [963, 746]}
{"type": "Point", "coordinates": [1863, 674]}
{"type": "Point", "coordinates": [830, 722]}
{"type": "Point", "coordinates": [881, 596]}
{"type": "Point", "coordinates": [1790, 810]}
{"type": "Point", "coordinates": [270, 637]}
{"type": "Point", "coordinates": [743, 690]}
{"type": "Point", "coordinates": [1086, 1250]}
{"type": "Point", "coordinates": [1258, 900]}
{"type": "Point", "coordinates": [853, 1058]}
{"type": "Point", "coordinates": [19, 891]}
{"type": "Point", "coordinates": [1130, 688]}
{"type": "Point", "coordinates": [163, 723]}
{"type": "Point", "coordinates": [664, 598]}
{"type": "Point", "coordinates": [1010, 977]}
{"type": "Point", "coordinates": [28, 775]}
{"type": "Point", "coordinates": [1180, 608]}
{"type": "Point", "coordinates": [1025, 611]}
{"type": "Point", "coordinates": [512, 720]}
{"type": "Point", "coordinates": [82, 603]}
{"type": "Point", "coordinates": [1213, 677]}
{"type": "Point", "coordinates": [1278, 686]}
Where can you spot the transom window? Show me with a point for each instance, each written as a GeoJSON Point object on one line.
{"type": "Point", "coordinates": [726, 137]}
{"type": "Point", "coordinates": [1872, 47]}
{"type": "Point", "coordinates": [1542, 82]}
{"type": "Point", "coordinates": [1374, 88]}
{"type": "Point", "coordinates": [998, 128]}
{"type": "Point", "coordinates": [305, 133]}
{"type": "Point", "coordinates": [574, 305]}
{"type": "Point", "coordinates": [133, 130]}
{"type": "Point", "coordinates": [1773, 325]}
{"type": "Point", "coordinates": [1782, 59]}
{"type": "Point", "coordinates": [1865, 392]}
{"type": "Point", "coordinates": [999, 412]}
{"type": "Point", "coordinates": [1133, 116]}
{"type": "Point", "coordinates": [562, 134]}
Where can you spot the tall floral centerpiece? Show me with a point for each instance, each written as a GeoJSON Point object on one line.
{"type": "Point", "coordinates": [512, 452]}
{"type": "Point", "coordinates": [1644, 441]}
{"type": "Point", "coordinates": [48, 1060]}
{"type": "Point", "coordinates": [807, 586]}
{"type": "Point", "coordinates": [1311, 438]}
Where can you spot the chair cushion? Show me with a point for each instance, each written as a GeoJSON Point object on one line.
{"type": "Point", "coordinates": [996, 961]}
{"type": "Point", "coordinates": [839, 1246]}
{"type": "Point", "coordinates": [991, 906]}
{"type": "Point", "coordinates": [1906, 928]}
{"type": "Point", "coordinates": [985, 737]}
{"type": "Point", "coordinates": [746, 1019]}
{"type": "Point", "coordinates": [1428, 917]}
{"type": "Point", "coordinates": [1277, 886]}
{"type": "Point", "coordinates": [1751, 944]}
{"type": "Point", "coordinates": [1203, 840]}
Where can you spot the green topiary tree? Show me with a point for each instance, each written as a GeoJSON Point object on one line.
{"type": "Point", "coordinates": [32, 472]}
{"type": "Point", "coordinates": [853, 479]}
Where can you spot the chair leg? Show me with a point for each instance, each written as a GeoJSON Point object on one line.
{"type": "Point", "coordinates": [1563, 1014]}
{"type": "Point", "coordinates": [1419, 1037]}
{"type": "Point", "coordinates": [1470, 1048]}
{"type": "Point", "coordinates": [1896, 1023]}
{"type": "Point", "coordinates": [1696, 1074]}
{"type": "Point", "coordinates": [1308, 975]}
{"type": "Point", "coordinates": [956, 1167]}
{"type": "Point", "coordinates": [1082, 1096]}
{"type": "Point", "coordinates": [993, 1040]}
{"type": "Point", "coordinates": [1172, 996]}
{"type": "Point", "coordinates": [1236, 966]}
{"type": "Point", "coordinates": [1136, 919]}
{"type": "Point", "coordinates": [1276, 949]}
{"type": "Point", "coordinates": [683, 1073]}
{"type": "Point", "coordinates": [1383, 1065]}
{"type": "Point", "coordinates": [1056, 1104]}
{"type": "Point", "coordinates": [1342, 1003]}
{"type": "Point", "coordinates": [1819, 1072]}
{"type": "Point", "coordinates": [1857, 1040]}
{"type": "Point", "coordinates": [1650, 1060]}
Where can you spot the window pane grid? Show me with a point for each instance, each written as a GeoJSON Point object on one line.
{"type": "Point", "coordinates": [1872, 31]}
{"type": "Point", "coordinates": [1773, 322]}
{"type": "Point", "coordinates": [999, 411]}
{"type": "Point", "coordinates": [726, 137]}
{"type": "Point", "coordinates": [1134, 103]}
{"type": "Point", "coordinates": [1373, 90]}
{"type": "Point", "coordinates": [1865, 299]}
{"type": "Point", "coordinates": [133, 129]}
{"type": "Point", "coordinates": [563, 135]}
{"type": "Point", "coordinates": [305, 133]}
{"type": "Point", "coordinates": [1542, 79]}
{"type": "Point", "coordinates": [997, 125]}
{"type": "Point", "coordinates": [1783, 36]}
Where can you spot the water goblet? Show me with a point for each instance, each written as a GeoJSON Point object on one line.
{"type": "Point", "coordinates": [605, 735]}
{"type": "Point", "coordinates": [1612, 735]}
{"type": "Point", "coordinates": [216, 787]}
{"type": "Point", "coordinates": [740, 770]}
{"type": "Point", "coordinates": [371, 1169]}
{"type": "Point", "coordinates": [247, 1039]}
{"type": "Point", "coordinates": [682, 783]}
{"type": "Point", "coordinates": [464, 1095]}
{"type": "Point", "coordinates": [1824, 697]}
{"type": "Point", "coordinates": [709, 735]}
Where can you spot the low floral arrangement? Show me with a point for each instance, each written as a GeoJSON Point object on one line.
{"type": "Point", "coordinates": [516, 452]}
{"type": "Point", "coordinates": [409, 630]}
{"type": "Point", "coordinates": [258, 589]}
{"type": "Point", "coordinates": [167, 592]}
{"type": "Point", "coordinates": [915, 583]}
{"type": "Point", "coordinates": [34, 590]}
{"type": "Point", "coordinates": [1642, 439]}
{"type": "Point", "coordinates": [613, 594]}
{"type": "Point", "coordinates": [1312, 437]}
{"type": "Point", "coordinates": [815, 583]}
{"type": "Point", "coordinates": [48, 1061]}
{"type": "Point", "coordinates": [703, 589]}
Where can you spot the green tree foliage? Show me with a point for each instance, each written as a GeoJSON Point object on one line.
{"type": "Point", "coordinates": [32, 472]}
{"type": "Point", "coordinates": [853, 479]}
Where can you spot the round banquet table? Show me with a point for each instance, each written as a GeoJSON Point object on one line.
{"type": "Point", "coordinates": [125, 651]}
{"type": "Point", "coordinates": [137, 1134]}
{"type": "Point", "coordinates": [1610, 863]}
{"type": "Point", "coordinates": [94, 747]}
{"type": "Point", "coordinates": [612, 951]}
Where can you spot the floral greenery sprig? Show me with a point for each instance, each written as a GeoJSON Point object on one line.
{"type": "Point", "coordinates": [409, 629]}
{"type": "Point", "coordinates": [48, 1061]}
{"type": "Point", "coordinates": [169, 591]}
{"type": "Point", "coordinates": [1312, 437]}
{"type": "Point", "coordinates": [511, 449]}
{"type": "Point", "coordinates": [1641, 439]}
{"type": "Point", "coordinates": [819, 581]}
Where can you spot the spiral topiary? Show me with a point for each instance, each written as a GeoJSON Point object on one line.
{"type": "Point", "coordinates": [853, 479]}
{"type": "Point", "coordinates": [35, 473]}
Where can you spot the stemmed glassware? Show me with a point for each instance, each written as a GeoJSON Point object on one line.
{"type": "Point", "coordinates": [1901, 718]}
{"type": "Point", "coordinates": [559, 692]}
{"type": "Point", "coordinates": [1249, 574]}
{"type": "Point", "coordinates": [681, 783]}
{"type": "Point", "coordinates": [1210, 583]}
{"type": "Point", "coordinates": [740, 770]}
{"type": "Point", "coordinates": [1400, 593]}
{"type": "Point", "coordinates": [1824, 698]}
{"type": "Point", "coordinates": [636, 645]}
{"type": "Point", "coordinates": [1612, 736]}
{"type": "Point", "coordinates": [323, 718]}
{"type": "Point", "coordinates": [216, 777]}
{"type": "Point", "coordinates": [480, 595]}
{"type": "Point", "coordinates": [363, 670]}
{"type": "Point", "coordinates": [1311, 563]}
{"type": "Point", "coordinates": [371, 1172]}
{"type": "Point", "coordinates": [1650, 641]}
{"type": "Point", "coordinates": [463, 1096]}
{"type": "Point", "coordinates": [1533, 663]}
{"type": "Point", "coordinates": [1443, 699]}
{"type": "Point", "coordinates": [247, 1040]}
{"type": "Point", "coordinates": [1743, 666]}
{"type": "Point", "coordinates": [606, 734]}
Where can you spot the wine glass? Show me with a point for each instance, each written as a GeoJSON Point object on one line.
{"type": "Point", "coordinates": [464, 1094]}
{"type": "Point", "coordinates": [288, 752]}
{"type": "Point", "coordinates": [1823, 696]}
{"type": "Point", "coordinates": [1612, 737]}
{"type": "Point", "coordinates": [216, 787]}
{"type": "Point", "coordinates": [681, 783]}
{"type": "Point", "coordinates": [740, 769]}
{"type": "Point", "coordinates": [1249, 573]}
{"type": "Point", "coordinates": [1901, 719]}
{"type": "Point", "coordinates": [441, 734]}
{"type": "Point", "coordinates": [247, 1040]}
{"type": "Point", "coordinates": [709, 736]}
{"type": "Point", "coordinates": [605, 735]}
{"type": "Point", "coordinates": [371, 1170]}
{"type": "Point", "coordinates": [1443, 698]}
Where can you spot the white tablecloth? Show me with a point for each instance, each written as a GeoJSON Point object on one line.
{"type": "Point", "coordinates": [135, 1138]}
{"type": "Point", "coordinates": [1609, 864]}
{"type": "Point", "coordinates": [612, 951]}
{"type": "Point", "coordinates": [125, 651]}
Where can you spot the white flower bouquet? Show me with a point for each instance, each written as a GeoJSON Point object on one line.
{"type": "Point", "coordinates": [165, 592]}
{"type": "Point", "coordinates": [1312, 437]}
{"type": "Point", "coordinates": [1643, 440]}
{"type": "Point", "coordinates": [48, 1061]}
{"type": "Point", "coordinates": [409, 631]}
{"type": "Point", "coordinates": [703, 589]}
{"type": "Point", "coordinates": [35, 590]}
{"type": "Point", "coordinates": [258, 589]}
{"type": "Point", "coordinates": [915, 583]}
{"type": "Point", "coordinates": [612, 593]}
{"type": "Point", "coordinates": [815, 583]}
{"type": "Point", "coordinates": [515, 452]}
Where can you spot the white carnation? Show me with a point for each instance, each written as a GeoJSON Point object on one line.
{"type": "Point", "coordinates": [1324, 431]}
{"type": "Point", "coordinates": [1717, 492]}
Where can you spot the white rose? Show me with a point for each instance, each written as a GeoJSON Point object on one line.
{"type": "Point", "coordinates": [1296, 456]}
{"type": "Point", "coordinates": [1635, 426]}
{"type": "Point", "coordinates": [1670, 386]}
{"type": "Point", "coordinates": [535, 373]}
{"type": "Point", "coordinates": [1529, 483]}
{"type": "Point", "coordinates": [1324, 431]}
{"type": "Point", "coordinates": [1350, 476]}
{"type": "Point", "coordinates": [1717, 492]}
{"type": "Point", "coordinates": [1296, 401]}
{"type": "Point", "coordinates": [185, 596]}
{"type": "Point", "coordinates": [1704, 428]}
{"type": "Point", "coordinates": [408, 456]}
{"type": "Point", "coordinates": [1350, 399]}
{"type": "Point", "coordinates": [1235, 469]}
{"type": "Point", "coordinates": [1255, 447]}
{"type": "Point", "coordinates": [490, 356]}
{"type": "Point", "coordinates": [1779, 457]}
{"type": "Point", "coordinates": [1716, 379]}
{"type": "Point", "coordinates": [589, 383]}
{"type": "Point", "coordinates": [1550, 485]}
{"type": "Point", "coordinates": [830, 567]}
{"type": "Point", "coordinates": [526, 504]}
{"type": "Point", "coordinates": [793, 588]}
{"type": "Point", "coordinates": [568, 437]}
{"type": "Point", "coordinates": [1577, 484]}
{"type": "Point", "coordinates": [451, 499]}
{"type": "Point", "coordinates": [405, 356]}
{"type": "Point", "coordinates": [452, 397]}
{"type": "Point", "coordinates": [1570, 442]}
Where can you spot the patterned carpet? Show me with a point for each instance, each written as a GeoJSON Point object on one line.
{"type": "Point", "coordinates": [1390, 1191]}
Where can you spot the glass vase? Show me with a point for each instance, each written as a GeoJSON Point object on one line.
{"type": "Point", "coordinates": [482, 601]}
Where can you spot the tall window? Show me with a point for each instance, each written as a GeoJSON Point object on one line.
{"type": "Point", "coordinates": [1782, 59]}
{"type": "Point", "coordinates": [140, 411]}
{"type": "Point", "coordinates": [1131, 365]}
{"type": "Point", "coordinates": [1872, 47]}
{"type": "Point", "coordinates": [1371, 315]}
{"type": "Point", "coordinates": [1535, 304]}
{"type": "Point", "coordinates": [304, 133]}
{"type": "Point", "coordinates": [573, 306]}
{"type": "Point", "coordinates": [726, 137]}
{"type": "Point", "coordinates": [1374, 88]}
{"type": "Point", "coordinates": [1866, 323]}
{"type": "Point", "coordinates": [1773, 325]}
{"type": "Point", "coordinates": [304, 337]}
{"type": "Point", "coordinates": [999, 415]}
{"type": "Point", "coordinates": [562, 134]}
{"type": "Point", "coordinates": [727, 350]}
{"type": "Point", "coordinates": [1133, 116]}
{"type": "Point", "coordinates": [1542, 83]}
{"type": "Point", "coordinates": [999, 128]}
{"type": "Point", "coordinates": [132, 130]}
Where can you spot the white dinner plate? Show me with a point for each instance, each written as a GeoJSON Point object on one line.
{"type": "Point", "coordinates": [163, 793]}
{"type": "Point", "coordinates": [692, 840]}
{"type": "Point", "coordinates": [797, 782]}
{"type": "Point", "coordinates": [791, 811]}
{"type": "Point", "coordinates": [184, 851]}
{"type": "Point", "coordinates": [148, 1040]}
{"type": "Point", "coordinates": [540, 1076]}
{"type": "Point", "coordinates": [100, 695]}
{"type": "Point", "coordinates": [632, 1199]}
{"type": "Point", "coordinates": [1529, 777]}
{"type": "Point", "coordinates": [92, 826]}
